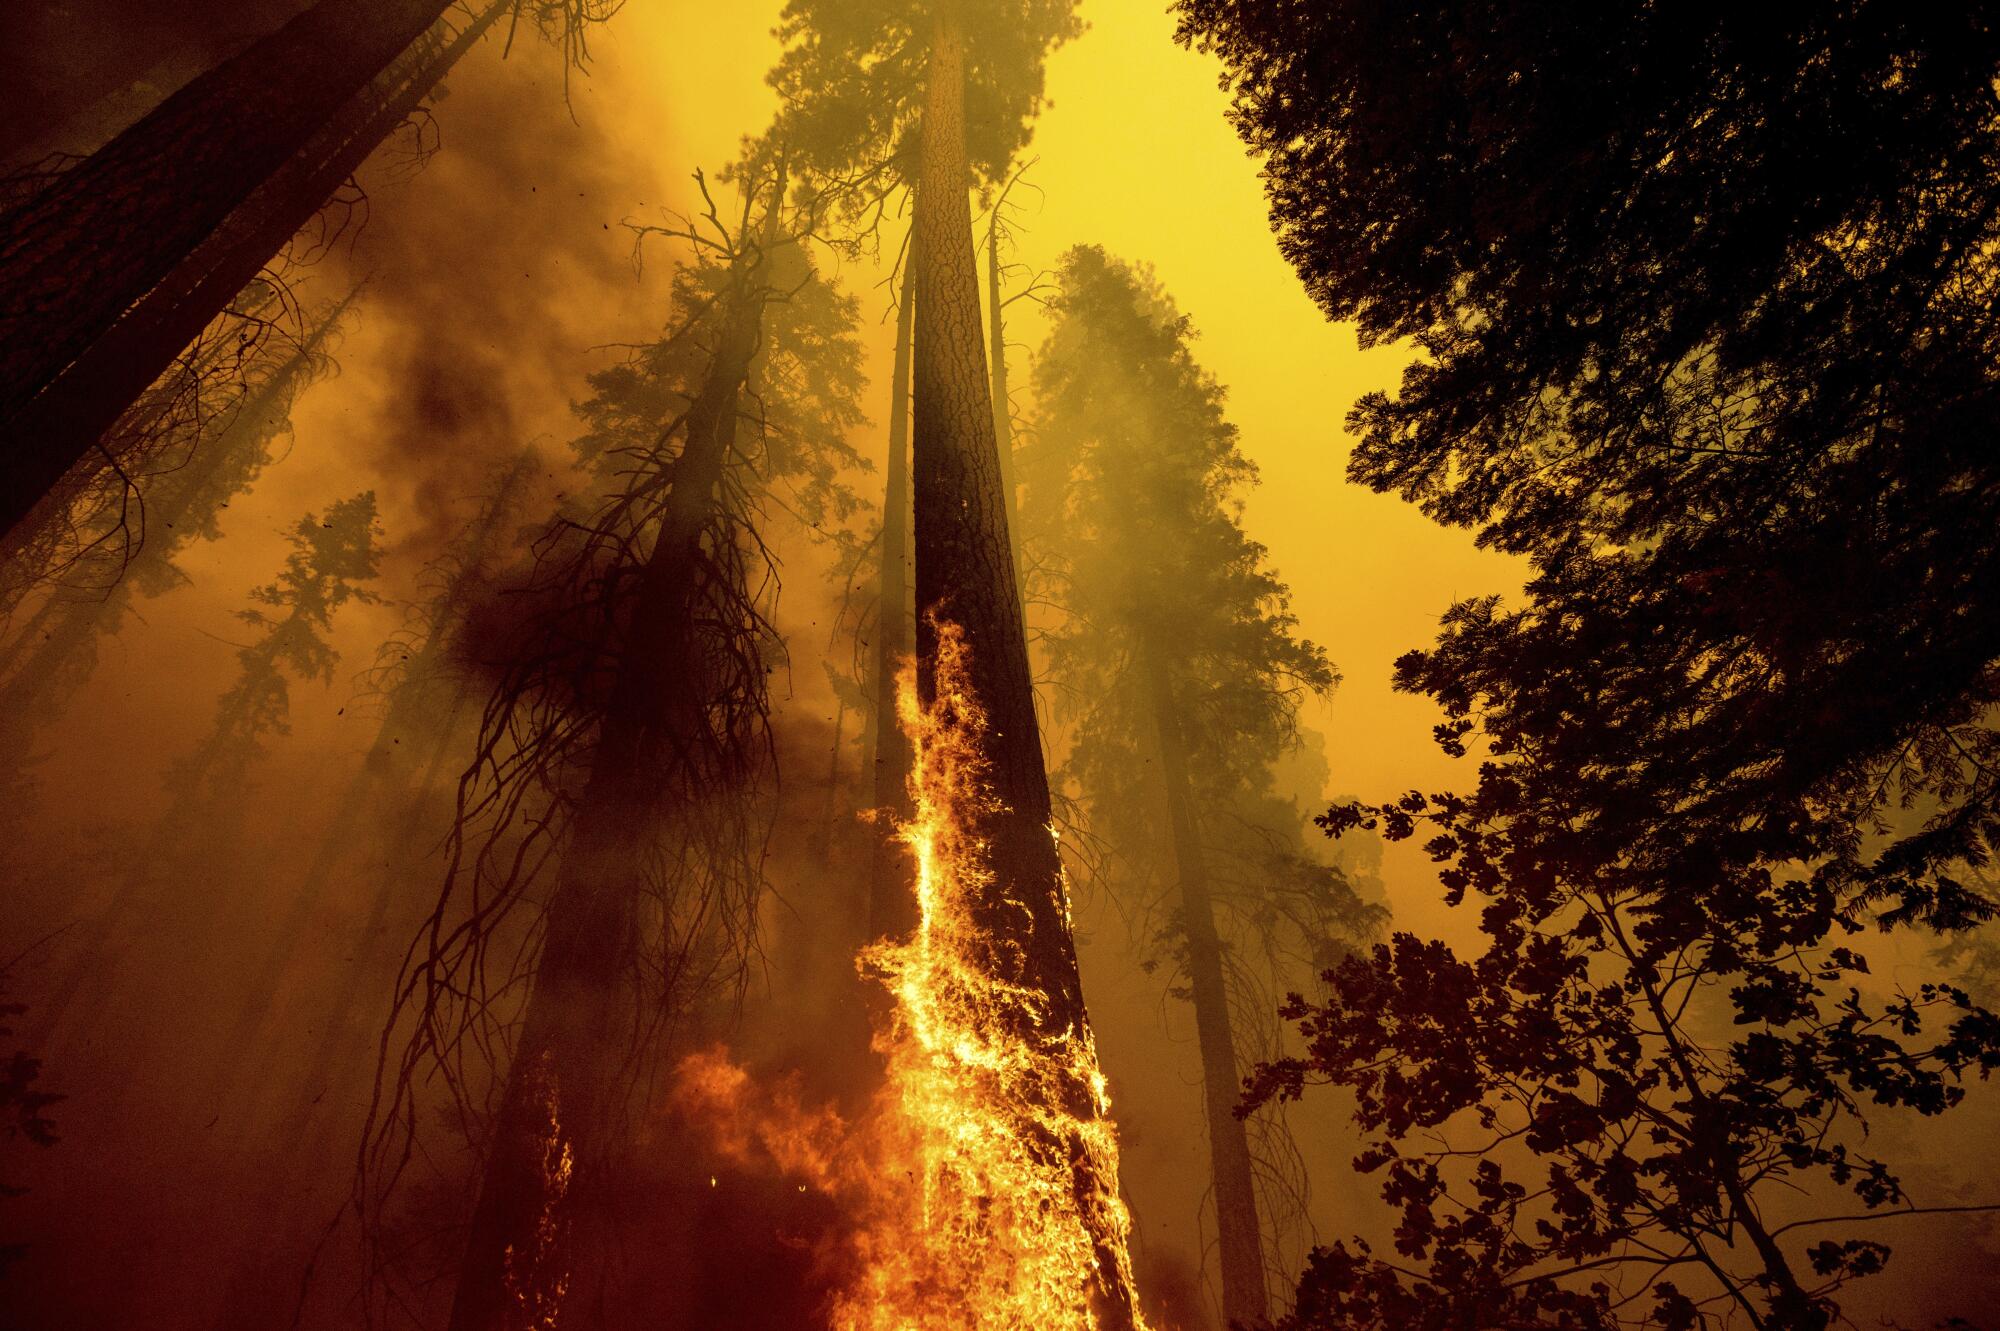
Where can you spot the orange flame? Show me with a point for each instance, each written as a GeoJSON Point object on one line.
{"type": "Point", "coordinates": [978, 1201]}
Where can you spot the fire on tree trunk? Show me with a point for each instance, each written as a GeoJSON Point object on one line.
{"type": "Point", "coordinates": [966, 592]}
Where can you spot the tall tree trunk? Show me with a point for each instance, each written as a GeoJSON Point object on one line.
{"type": "Point", "coordinates": [965, 575]}
{"type": "Point", "coordinates": [560, 1099]}
{"type": "Point", "coordinates": [892, 904]}
{"type": "Point", "coordinates": [55, 404]}
{"type": "Point", "coordinates": [1239, 1236]}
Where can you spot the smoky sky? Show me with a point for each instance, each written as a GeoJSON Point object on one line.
{"type": "Point", "coordinates": [497, 271]}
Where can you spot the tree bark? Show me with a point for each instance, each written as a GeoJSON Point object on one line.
{"type": "Point", "coordinates": [1239, 1234]}
{"type": "Point", "coordinates": [560, 1096]}
{"type": "Point", "coordinates": [892, 903]}
{"type": "Point", "coordinates": [67, 374]}
{"type": "Point", "coordinates": [965, 575]}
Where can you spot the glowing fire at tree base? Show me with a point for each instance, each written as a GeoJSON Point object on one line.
{"type": "Point", "coordinates": [983, 1184]}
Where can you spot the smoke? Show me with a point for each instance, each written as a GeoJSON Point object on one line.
{"type": "Point", "coordinates": [496, 275]}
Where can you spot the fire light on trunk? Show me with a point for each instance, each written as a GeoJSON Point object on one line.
{"type": "Point", "coordinates": [972, 1185]}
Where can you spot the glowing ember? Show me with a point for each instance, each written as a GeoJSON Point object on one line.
{"type": "Point", "coordinates": [978, 1199]}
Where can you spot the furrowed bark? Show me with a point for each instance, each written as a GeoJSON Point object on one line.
{"type": "Point", "coordinates": [965, 575]}
{"type": "Point", "coordinates": [560, 1096]}
{"type": "Point", "coordinates": [892, 904]}
{"type": "Point", "coordinates": [1239, 1235]}
{"type": "Point", "coordinates": [47, 425]}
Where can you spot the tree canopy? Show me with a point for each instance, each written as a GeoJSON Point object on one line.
{"type": "Point", "coordinates": [1704, 305]}
{"type": "Point", "coordinates": [852, 75]}
{"type": "Point", "coordinates": [1706, 302]}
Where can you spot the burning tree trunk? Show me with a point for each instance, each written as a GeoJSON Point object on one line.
{"type": "Point", "coordinates": [68, 369]}
{"type": "Point", "coordinates": [560, 1099]}
{"type": "Point", "coordinates": [892, 906]}
{"type": "Point", "coordinates": [966, 585]}
{"type": "Point", "coordinates": [1239, 1234]}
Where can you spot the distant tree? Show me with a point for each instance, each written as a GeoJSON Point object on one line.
{"type": "Point", "coordinates": [1176, 656]}
{"type": "Point", "coordinates": [332, 560]}
{"type": "Point", "coordinates": [426, 700]}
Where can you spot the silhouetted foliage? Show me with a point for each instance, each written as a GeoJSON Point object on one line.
{"type": "Point", "coordinates": [332, 559]}
{"type": "Point", "coordinates": [1707, 302]}
{"type": "Point", "coordinates": [1705, 298]}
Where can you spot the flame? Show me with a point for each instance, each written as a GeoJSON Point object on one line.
{"type": "Point", "coordinates": [534, 1280]}
{"type": "Point", "coordinates": [982, 1185]}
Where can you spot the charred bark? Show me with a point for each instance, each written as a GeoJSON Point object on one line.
{"type": "Point", "coordinates": [561, 1098]}
{"type": "Point", "coordinates": [53, 410]}
{"type": "Point", "coordinates": [965, 576]}
{"type": "Point", "coordinates": [1239, 1234]}
{"type": "Point", "coordinates": [892, 905]}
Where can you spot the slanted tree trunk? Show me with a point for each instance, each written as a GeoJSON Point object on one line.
{"type": "Point", "coordinates": [561, 1096]}
{"type": "Point", "coordinates": [1239, 1235]}
{"type": "Point", "coordinates": [31, 552]}
{"type": "Point", "coordinates": [965, 575]}
{"type": "Point", "coordinates": [892, 905]}
{"type": "Point", "coordinates": [62, 387]}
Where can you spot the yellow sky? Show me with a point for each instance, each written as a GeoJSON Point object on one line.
{"type": "Point", "coordinates": [1134, 154]}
